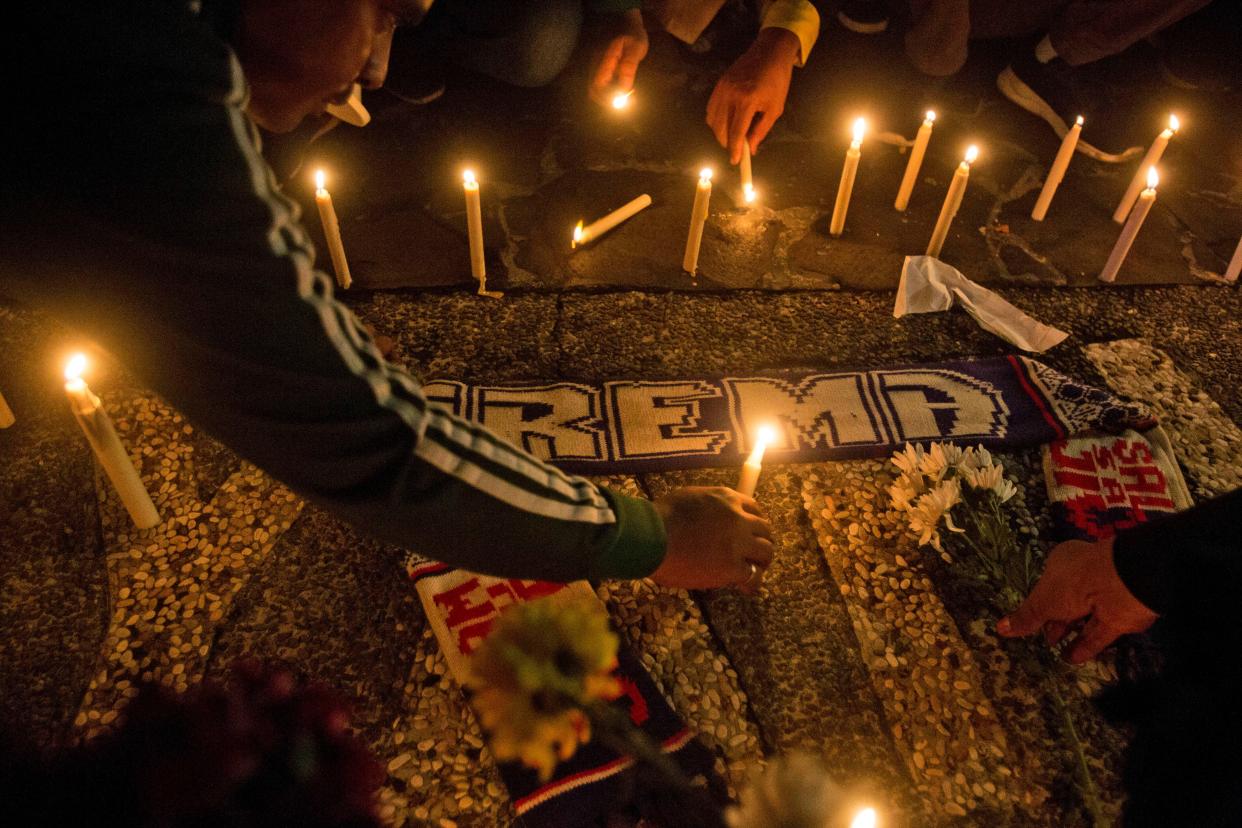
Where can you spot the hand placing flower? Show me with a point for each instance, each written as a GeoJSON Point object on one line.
{"type": "Point", "coordinates": [543, 663]}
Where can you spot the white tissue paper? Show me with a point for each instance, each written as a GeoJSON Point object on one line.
{"type": "Point", "coordinates": [929, 285]}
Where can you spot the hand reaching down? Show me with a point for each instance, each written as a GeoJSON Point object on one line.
{"type": "Point", "coordinates": [1080, 583]}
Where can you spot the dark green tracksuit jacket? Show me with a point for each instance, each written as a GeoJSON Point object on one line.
{"type": "Point", "coordinates": [136, 208]}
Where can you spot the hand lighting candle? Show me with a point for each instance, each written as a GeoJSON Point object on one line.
{"type": "Point", "coordinates": [754, 463]}
{"type": "Point", "coordinates": [474, 227]}
{"type": "Point", "coordinates": [917, 152]}
{"type": "Point", "coordinates": [1151, 159]}
{"type": "Point", "coordinates": [331, 231]}
{"type": "Point", "coordinates": [1057, 171]}
{"type": "Point", "coordinates": [1235, 264]}
{"type": "Point", "coordinates": [1128, 233]}
{"type": "Point", "coordinates": [6, 414]}
{"type": "Point", "coordinates": [848, 173]}
{"type": "Point", "coordinates": [107, 446]}
{"type": "Point", "coordinates": [748, 183]}
{"type": "Point", "coordinates": [698, 218]}
{"type": "Point", "coordinates": [597, 228]}
{"type": "Point", "coordinates": [952, 201]}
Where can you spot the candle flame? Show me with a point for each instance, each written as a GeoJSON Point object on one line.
{"type": "Point", "coordinates": [765, 436]}
{"type": "Point", "coordinates": [750, 194]}
{"type": "Point", "coordinates": [468, 177]}
{"type": "Point", "coordinates": [865, 818]}
{"type": "Point", "coordinates": [931, 115]}
{"type": "Point", "coordinates": [860, 129]}
{"type": "Point", "coordinates": [972, 154]}
{"type": "Point", "coordinates": [1079, 120]}
{"type": "Point", "coordinates": [705, 174]}
{"type": "Point", "coordinates": [1153, 178]}
{"type": "Point", "coordinates": [320, 179]}
{"type": "Point", "coordinates": [577, 234]}
{"type": "Point", "coordinates": [621, 100]}
{"type": "Point", "coordinates": [1174, 123]}
{"type": "Point", "coordinates": [74, 367]}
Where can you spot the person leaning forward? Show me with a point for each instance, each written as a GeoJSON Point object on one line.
{"type": "Point", "coordinates": [149, 221]}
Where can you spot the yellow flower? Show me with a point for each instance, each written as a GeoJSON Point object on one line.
{"type": "Point", "coordinates": [542, 663]}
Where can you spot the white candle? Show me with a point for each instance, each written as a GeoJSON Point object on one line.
{"type": "Point", "coordinates": [352, 111]}
{"type": "Point", "coordinates": [1154, 152]}
{"type": "Point", "coordinates": [748, 182]}
{"type": "Point", "coordinates": [698, 218]}
{"type": "Point", "coordinates": [1235, 264]}
{"type": "Point", "coordinates": [621, 100]}
{"type": "Point", "coordinates": [865, 818]}
{"type": "Point", "coordinates": [952, 201]}
{"type": "Point", "coordinates": [474, 227]}
{"type": "Point", "coordinates": [917, 152]}
{"type": "Point", "coordinates": [848, 173]}
{"type": "Point", "coordinates": [331, 231]}
{"type": "Point", "coordinates": [1057, 171]}
{"type": "Point", "coordinates": [6, 414]}
{"type": "Point", "coordinates": [597, 228]}
{"type": "Point", "coordinates": [1137, 216]}
{"type": "Point", "coordinates": [107, 446]}
{"type": "Point", "coordinates": [749, 478]}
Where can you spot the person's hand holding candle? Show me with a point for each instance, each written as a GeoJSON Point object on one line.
{"type": "Point", "coordinates": [618, 64]}
{"type": "Point", "coordinates": [757, 84]}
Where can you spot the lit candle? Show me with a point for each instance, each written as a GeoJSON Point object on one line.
{"type": "Point", "coordinates": [1137, 216]}
{"type": "Point", "coordinates": [1235, 264]}
{"type": "Point", "coordinates": [848, 173]}
{"type": "Point", "coordinates": [352, 111]}
{"type": "Point", "coordinates": [584, 235]}
{"type": "Point", "coordinates": [754, 463]}
{"type": "Point", "coordinates": [107, 446]}
{"type": "Point", "coordinates": [474, 227]}
{"type": "Point", "coordinates": [865, 818]}
{"type": "Point", "coordinates": [916, 161]}
{"type": "Point", "coordinates": [1154, 152]}
{"type": "Point", "coordinates": [952, 201]}
{"type": "Point", "coordinates": [748, 183]}
{"type": "Point", "coordinates": [331, 231]}
{"type": "Point", "coordinates": [621, 100]}
{"type": "Point", "coordinates": [698, 218]}
{"type": "Point", "coordinates": [1057, 172]}
{"type": "Point", "coordinates": [6, 414]}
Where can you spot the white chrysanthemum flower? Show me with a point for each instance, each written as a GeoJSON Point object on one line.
{"type": "Point", "coordinates": [939, 458]}
{"type": "Point", "coordinates": [908, 459]}
{"type": "Point", "coordinates": [993, 478]}
{"type": "Point", "coordinates": [1004, 489]}
{"type": "Point", "coordinates": [933, 507]}
{"type": "Point", "coordinates": [905, 490]}
{"type": "Point", "coordinates": [795, 791]}
{"type": "Point", "coordinates": [976, 457]}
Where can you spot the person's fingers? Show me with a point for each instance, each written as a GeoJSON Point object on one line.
{"type": "Point", "coordinates": [1054, 631]}
{"type": "Point", "coordinates": [759, 527]}
{"type": "Point", "coordinates": [627, 67]}
{"type": "Point", "coordinates": [720, 120]}
{"type": "Point", "coordinates": [1095, 636]}
{"type": "Point", "coordinates": [607, 68]}
{"type": "Point", "coordinates": [739, 125]}
{"type": "Point", "coordinates": [713, 104]}
{"type": "Point", "coordinates": [749, 504]}
{"type": "Point", "coordinates": [1026, 619]}
{"type": "Point", "coordinates": [762, 126]}
{"type": "Point", "coordinates": [759, 551]}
